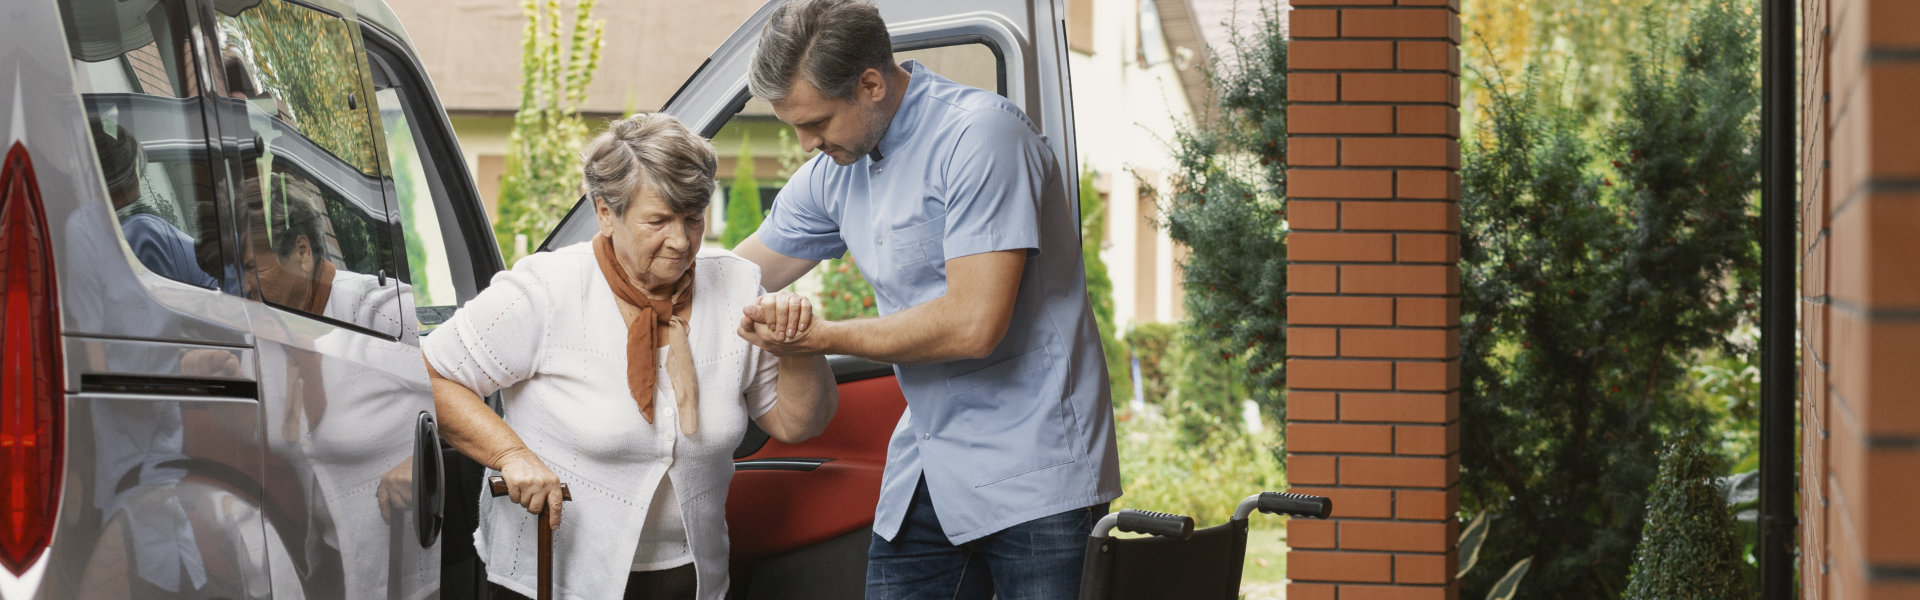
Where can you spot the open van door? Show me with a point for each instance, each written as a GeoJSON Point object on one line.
{"type": "Point", "coordinates": [800, 515]}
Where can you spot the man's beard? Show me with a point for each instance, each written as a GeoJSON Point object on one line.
{"type": "Point", "coordinates": [875, 124]}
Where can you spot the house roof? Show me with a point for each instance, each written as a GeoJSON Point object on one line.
{"type": "Point", "coordinates": [471, 49]}
{"type": "Point", "coordinates": [1218, 19]}
{"type": "Point", "coordinates": [1209, 24]}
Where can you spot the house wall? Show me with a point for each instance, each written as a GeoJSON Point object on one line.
{"type": "Point", "coordinates": [1126, 109]}
{"type": "Point", "coordinates": [1860, 299]}
{"type": "Point", "coordinates": [1373, 372]}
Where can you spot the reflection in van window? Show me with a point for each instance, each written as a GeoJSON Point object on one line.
{"type": "Point", "coordinates": [319, 231]}
{"type": "Point", "coordinates": [302, 68]}
{"type": "Point", "coordinates": [427, 261]}
{"type": "Point", "coordinates": [134, 68]}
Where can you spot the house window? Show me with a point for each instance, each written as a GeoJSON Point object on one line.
{"type": "Point", "coordinates": [1080, 26]}
{"type": "Point", "coordinates": [1152, 50]}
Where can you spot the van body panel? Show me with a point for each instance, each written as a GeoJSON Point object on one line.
{"type": "Point", "coordinates": [169, 505]}
{"type": "Point", "coordinates": [202, 460]}
{"type": "Point", "coordinates": [339, 406]}
{"type": "Point", "coordinates": [127, 364]}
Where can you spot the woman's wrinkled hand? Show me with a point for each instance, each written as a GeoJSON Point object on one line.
{"type": "Point", "coordinates": [395, 493]}
{"type": "Point", "coordinates": [531, 484]}
{"type": "Point", "coordinates": [788, 316]}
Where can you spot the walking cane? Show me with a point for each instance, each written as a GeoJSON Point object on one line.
{"type": "Point", "coordinates": [498, 485]}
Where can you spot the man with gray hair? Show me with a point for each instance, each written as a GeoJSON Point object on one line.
{"type": "Point", "coordinates": [956, 209]}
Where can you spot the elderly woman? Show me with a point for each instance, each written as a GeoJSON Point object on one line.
{"type": "Point", "coordinates": [626, 379]}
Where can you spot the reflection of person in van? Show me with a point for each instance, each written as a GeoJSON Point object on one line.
{"type": "Point", "coordinates": [294, 271]}
{"type": "Point", "coordinates": [338, 406]}
{"type": "Point", "coordinates": [157, 242]}
{"type": "Point", "coordinates": [624, 379]}
{"type": "Point", "coordinates": [289, 260]}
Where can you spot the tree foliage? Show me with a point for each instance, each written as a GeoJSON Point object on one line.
{"type": "Point", "coordinates": [318, 81]}
{"type": "Point", "coordinates": [743, 198]}
{"type": "Point", "coordinates": [1227, 203]}
{"type": "Point", "coordinates": [1594, 273]}
{"type": "Point", "coordinates": [1093, 230]}
{"type": "Point", "coordinates": [1586, 43]}
{"type": "Point", "coordinates": [1152, 344]}
{"type": "Point", "coordinates": [542, 177]}
{"type": "Point", "coordinates": [1690, 549]}
{"type": "Point", "coordinates": [1208, 386]}
{"type": "Point", "coordinates": [844, 293]}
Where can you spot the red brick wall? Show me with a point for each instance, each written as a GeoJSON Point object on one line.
{"type": "Point", "coordinates": [1374, 339]}
{"type": "Point", "coordinates": [1860, 308]}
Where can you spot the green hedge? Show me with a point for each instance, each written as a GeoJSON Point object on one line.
{"type": "Point", "coordinates": [1689, 549]}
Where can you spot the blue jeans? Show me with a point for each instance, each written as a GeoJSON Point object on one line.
{"type": "Point", "coordinates": [1035, 560]}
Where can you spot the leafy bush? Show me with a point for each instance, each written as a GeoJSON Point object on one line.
{"type": "Point", "coordinates": [1593, 273]}
{"type": "Point", "coordinates": [1150, 344]}
{"type": "Point", "coordinates": [1227, 204]}
{"type": "Point", "coordinates": [743, 198]}
{"type": "Point", "coordinates": [844, 293]}
{"type": "Point", "coordinates": [1205, 481]}
{"type": "Point", "coordinates": [1093, 229]}
{"type": "Point", "coordinates": [1689, 549]}
{"type": "Point", "coordinates": [542, 177]}
{"type": "Point", "coordinates": [1208, 386]}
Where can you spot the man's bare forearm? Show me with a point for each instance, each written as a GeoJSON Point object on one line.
{"type": "Point", "coordinates": [929, 333]}
{"type": "Point", "coordinates": [968, 321]}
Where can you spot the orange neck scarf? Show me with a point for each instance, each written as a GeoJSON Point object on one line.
{"type": "Point", "coordinates": [322, 289]}
{"type": "Point", "coordinates": [656, 318]}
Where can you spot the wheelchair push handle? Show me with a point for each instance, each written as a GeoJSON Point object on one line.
{"type": "Point", "coordinates": [1147, 522]}
{"type": "Point", "coordinates": [1280, 503]}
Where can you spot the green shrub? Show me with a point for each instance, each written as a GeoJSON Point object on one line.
{"type": "Point", "coordinates": [844, 293]}
{"type": "Point", "coordinates": [743, 198]}
{"type": "Point", "coordinates": [1093, 229]}
{"type": "Point", "coordinates": [1594, 274]}
{"type": "Point", "coordinates": [1208, 386]}
{"type": "Point", "coordinates": [1150, 343]}
{"type": "Point", "coordinates": [542, 177]}
{"type": "Point", "coordinates": [1227, 203]}
{"type": "Point", "coordinates": [1203, 480]}
{"type": "Point", "coordinates": [1689, 549]}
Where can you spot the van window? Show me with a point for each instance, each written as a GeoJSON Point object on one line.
{"type": "Point", "coordinates": [439, 255]}
{"type": "Point", "coordinates": [135, 70]}
{"type": "Point", "coordinates": [319, 232]}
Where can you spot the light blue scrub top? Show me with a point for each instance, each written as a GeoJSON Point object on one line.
{"type": "Point", "coordinates": [1026, 432]}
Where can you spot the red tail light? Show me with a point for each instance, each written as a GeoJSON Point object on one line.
{"type": "Point", "coordinates": [31, 410]}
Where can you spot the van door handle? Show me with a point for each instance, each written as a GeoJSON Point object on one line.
{"type": "Point", "coordinates": [429, 480]}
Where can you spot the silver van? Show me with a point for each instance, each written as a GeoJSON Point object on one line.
{"type": "Point", "coordinates": [225, 225]}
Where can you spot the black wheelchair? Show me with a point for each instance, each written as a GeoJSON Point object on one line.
{"type": "Point", "coordinates": [1178, 561]}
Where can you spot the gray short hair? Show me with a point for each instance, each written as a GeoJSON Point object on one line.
{"type": "Point", "coordinates": [829, 42]}
{"type": "Point", "coordinates": [656, 150]}
{"type": "Point", "coordinates": [121, 158]}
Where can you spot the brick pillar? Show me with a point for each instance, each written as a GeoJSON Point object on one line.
{"type": "Point", "coordinates": [1373, 374]}
{"type": "Point", "coordinates": [1860, 300]}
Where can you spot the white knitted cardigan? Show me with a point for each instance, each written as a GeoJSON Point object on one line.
{"type": "Point", "coordinates": [549, 332]}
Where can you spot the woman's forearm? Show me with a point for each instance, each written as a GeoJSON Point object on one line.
{"type": "Point", "coordinates": [808, 399]}
{"type": "Point", "coordinates": [470, 426]}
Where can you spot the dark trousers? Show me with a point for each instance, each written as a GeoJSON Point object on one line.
{"type": "Point", "coordinates": [1035, 560]}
